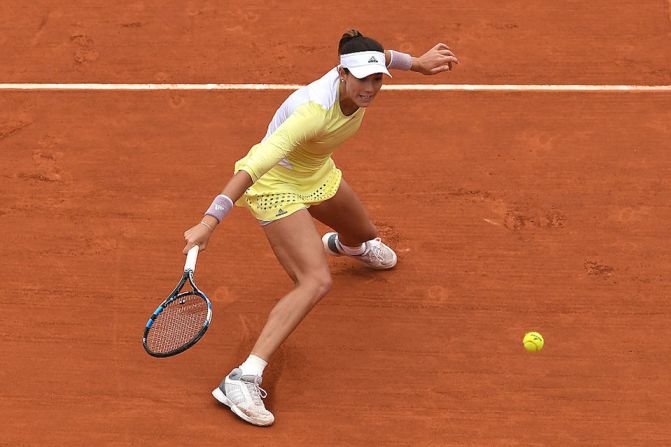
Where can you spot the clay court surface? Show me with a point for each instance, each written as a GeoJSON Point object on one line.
{"type": "Point", "coordinates": [510, 212]}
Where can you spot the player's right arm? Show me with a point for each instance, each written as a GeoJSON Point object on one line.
{"type": "Point", "coordinates": [306, 123]}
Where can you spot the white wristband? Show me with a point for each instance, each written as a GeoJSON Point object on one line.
{"type": "Point", "coordinates": [400, 61]}
{"type": "Point", "coordinates": [221, 206]}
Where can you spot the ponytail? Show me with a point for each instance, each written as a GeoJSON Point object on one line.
{"type": "Point", "coordinates": [353, 42]}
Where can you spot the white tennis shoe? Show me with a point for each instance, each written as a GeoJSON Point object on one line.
{"type": "Point", "coordinates": [243, 395]}
{"type": "Point", "coordinates": [376, 255]}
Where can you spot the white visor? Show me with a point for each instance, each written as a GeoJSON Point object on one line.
{"type": "Point", "coordinates": [364, 63]}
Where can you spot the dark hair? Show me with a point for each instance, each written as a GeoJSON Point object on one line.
{"type": "Point", "coordinates": [353, 42]}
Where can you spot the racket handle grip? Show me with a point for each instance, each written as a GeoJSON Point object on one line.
{"type": "Point", "coordinates": [191, 257]}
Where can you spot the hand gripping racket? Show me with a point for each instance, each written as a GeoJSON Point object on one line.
{"type": "Point", "coordinates": [182, 319]}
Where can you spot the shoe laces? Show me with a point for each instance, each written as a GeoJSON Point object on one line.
{"type": "Point", "coordinates": [254, 387]}
{"type": "Point", "coordinates": [375, 248]}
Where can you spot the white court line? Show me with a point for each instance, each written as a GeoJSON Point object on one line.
{"type": "Point", "coordinates": [405, 87]}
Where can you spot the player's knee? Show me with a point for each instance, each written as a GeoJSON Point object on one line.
{"type": "Point", "coordinates": [323, 284]}
{"type": "Point", "coordinates": [319, 284]}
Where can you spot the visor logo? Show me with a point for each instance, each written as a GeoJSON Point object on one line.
{"type": "Point", "coordinates": [372, 60]}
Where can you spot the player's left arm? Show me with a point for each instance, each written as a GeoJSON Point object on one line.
{"type": "Point", "coordinates": [438, 59]}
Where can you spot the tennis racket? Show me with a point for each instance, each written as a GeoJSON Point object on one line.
{"type": "Point", "coordinates": [182, 319]}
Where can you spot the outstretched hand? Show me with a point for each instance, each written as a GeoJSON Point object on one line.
{"type": "Point", "coordinates": [437, 60]}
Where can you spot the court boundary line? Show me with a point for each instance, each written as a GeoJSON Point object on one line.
{"type": "Point", "coordinates": [391, 87]}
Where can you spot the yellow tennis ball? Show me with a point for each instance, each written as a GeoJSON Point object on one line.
{"type": "Point", "coordinates": [533, 341]}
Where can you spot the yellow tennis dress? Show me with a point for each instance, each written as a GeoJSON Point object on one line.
{"type": "Point", "coordinates": [292, 167]}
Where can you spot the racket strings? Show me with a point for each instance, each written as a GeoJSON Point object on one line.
{"type": "Point", "coordinates": [178, 324]}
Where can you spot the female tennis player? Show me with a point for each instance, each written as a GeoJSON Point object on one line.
{"type": "Point", "coordinates": [289, 178]}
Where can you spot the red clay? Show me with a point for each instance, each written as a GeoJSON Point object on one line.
{"type": "Point", "coordinates": [509, 212]}
{"type": "Point", "coordinates": [596, 42]}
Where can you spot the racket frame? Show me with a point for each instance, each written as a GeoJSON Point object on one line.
{"type": "Point", "coordinates": [175, 295]}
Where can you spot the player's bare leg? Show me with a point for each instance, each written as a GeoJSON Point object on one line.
{"type": "Point", "coordinates": [297, 245]}
{"type": "Point", "coordinates": [299, 249]}
{"type": "Point", "coordinates": [345, 213]}
{"type": "Point", "coordinates": [355, 235]}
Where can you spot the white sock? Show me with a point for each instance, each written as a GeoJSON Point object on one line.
{"type": "Point", "coordinates": [352, 251]}
{"type": "Point", "coordinates": [253, 366]}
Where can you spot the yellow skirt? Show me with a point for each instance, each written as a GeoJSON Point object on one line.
{"type": "Point", "coordinates": [281, 192]}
